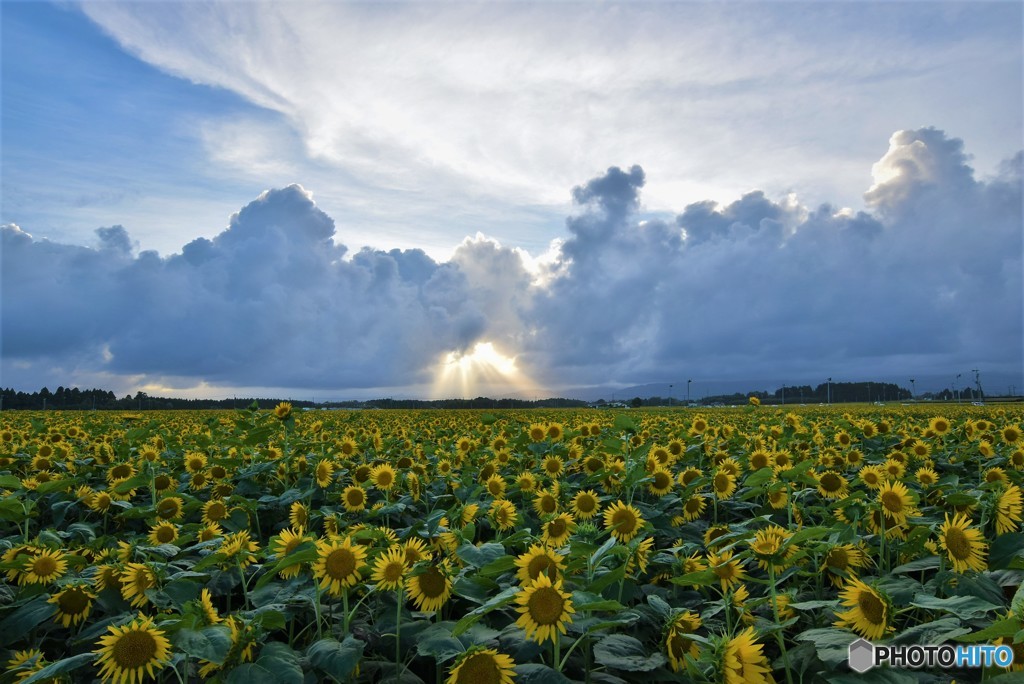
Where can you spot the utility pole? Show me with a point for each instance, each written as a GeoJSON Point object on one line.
{"type": "Point", "coordinates": [688, 392]}
{"type": "Point", "coordinates": [956, 387]}
{"type": "Point", "coordinates": [977, 382]}
{"type": "Point", "coordinates": [913, 389]}
{"type": "Point", "coordinates": [828, 390]}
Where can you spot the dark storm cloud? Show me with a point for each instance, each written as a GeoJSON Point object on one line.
{"type": "Point", "coordinates": [927, 279]}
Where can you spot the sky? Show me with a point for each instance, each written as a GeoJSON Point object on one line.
{"type": "Point", "coordinates": [336, 200]}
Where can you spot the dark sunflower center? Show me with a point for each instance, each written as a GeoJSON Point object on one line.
{"type": "Point", "coordinates": [162, 482]}
{"type": "Point", "coordinates": [548, 504]}
{"type": "Point", "coordinates": [44, 566]}
{"type": "Point", "coordinates": [831, 482]}
{"type": "Point", "coordinates": [692, 505]}
{"type": "Point", "coordinates": [679, 646]}
{"type": "Point", "coordinates": [586, 503]}
{"type": "Point", "coordinates": [557, 527]}
{"type": "Point", "coordinates": [957, 543]}
{"type": "Point", "coordinates": [758, 461]}
{"type": "Point", "coordinates": [216, 511]}
{"type": "Point", "coordinates": [120, 471]}
{"type": "Point", "coordinates": [893, 502]}
{"type": "Point", "coordinates": [479, 668]}
{"type": "Point", "coordinates": [165, 535]}
{"type": "Point", "coordinates": [393, 571]}
{"type": "Point", "coordinates": [662, 480]}
{"type": "Point", "coordinates": [432, 584]}
{"type": "Point", "coordinates": [546, 605]}
{"type": "Point", "coordinates": [355, 497]}
{"type": "Point", "coordinates": [721, 482]}
{"type": "Point", "coordinates": [624, 521]}
{"type": "Point", "coordinates": [384, 478]}
{"type": "Point", "coordinates": [167, 509]}
{"type": "Point", "coordinates": [340, 564]}
{"type": "Point", "coordinates": [134, 650]}
{"type": "Point", "coordinates": [838, 558]}
{"type": "Point", "coordinates": [872, 607]}
{"type": "Point", "coordinates": [73, 601]}
{"type": "Point", "coordinates": [539, 564]}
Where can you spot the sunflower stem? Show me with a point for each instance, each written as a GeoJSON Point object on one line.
{"type": "Point", "coordinates": [398, 631]}
{"type": "Point", "coordinates": [245, 587]}
{"type": "Point", "coordinates": [345, 617]}
{"type": "Point", "coordinates": [556, 651]}
{"type": "Point", "coordinates": [316, 608]}
{"type": "Point", "coordinates": [778, 621]}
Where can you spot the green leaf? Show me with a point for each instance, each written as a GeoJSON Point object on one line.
{"type": "Point", "coordinates": [964, 607]}
{"type": "Point", "coordinates": [1005, 549]}
{"type": "Point", "coordinates": [1002, 628]}
{"type": "Point", "coordinates": [438, 643]}
{"type": "Point", "coordinates": [833, 644]}
{"type": "Point", "coordinates": [934, 632]}
{"type": "Point", "coordinates": [503, 598]}
{"type": "Point", "coordinates": [277, 663]}
{"type": "Point", "coordinates": [336, 658]}
{"type": "Point", "coordinates": [24, 618]}
{"type": "Point", "coordinates": [535, 673]}
{"type": "Point", "coordinates": [759, 477]}
{"type": "Point", "coordinates": [303, 553]}
{"type": "Point", "coordinates": [624, 423]}
{"type": "Point", "coordinates": [9, 482]}
{"type": "Point", "coordinates": [210, 643]}
{"type": "Point", "coordinates": [624, 652]}
{"type": "Point", "coordinates": [479, 556]}
{"type": "Point", "coordinates": [12, 509]}
{"type": "Point", "coordinates": [701, 578]}
{"type": "Point", "coordinates": [879, 675]}
{"type": "Point", "coordinates": [140, 480]}
{"type": "Point", "coordinates": [929, 563]}
{"type": "Point", "coordinates": [60, 667]}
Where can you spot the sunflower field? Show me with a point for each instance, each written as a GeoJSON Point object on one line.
{"type": "Point", "coordinates": [466, 547]}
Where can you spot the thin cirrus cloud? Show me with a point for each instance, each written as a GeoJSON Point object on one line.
{"type": "Point", "coordinates": [927, 278]}
{"type": "Point", "coordinates": [512, 103]}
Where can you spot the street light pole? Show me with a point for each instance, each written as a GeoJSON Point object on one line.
{"type": "Point", "coordinates": [828, 391]}
{"type": "Point", "coordinates": [956, 388]}
{"type": "Point", "coordinates": [688, 392]}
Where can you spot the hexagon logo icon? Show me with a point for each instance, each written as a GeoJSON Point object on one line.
{"type": "Point", "coordinates": [862, 656]}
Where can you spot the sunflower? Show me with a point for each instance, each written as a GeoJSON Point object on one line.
{"type": "Point", "coordinates": [743, 661]}
{"type": "Point", "coordinates": [170, 507]}
{"type": "Point", "coordinates": [759, 458]}
{"type": "Point", "coordinates": [545, 609]}
{"type": "Point", "coordinates": [623, 521]}
{"type": "Point", "coordinates": [728, 570]}
{"type": "Point", "coordinates": [504, 514]}
{"type": "Point", "coordinates": [479, 665]}
{"type": "Point", "coordinates": [545, 503]}
{"type": "Point", "coordinates": [131, 652]}
{"type": "Point", "coordinates": [206, 607]}
{"type": "Point", "coordinates": [769, 545]}
{"type": "Point", "coordinates": [556, 532]}
{"type": "Point", "coordinates": [926, 476]}
{"type": "Point", "coordinates": [100, 502]}
{"type": "Point", "coordinates": [1008, 510]}
{"type": "Point", "coordinates": [238, 548]}
{"type": "Point", "coordinates": [495, 486]}
{"type": "Point", "coordinates": [135, 580]}
{"type": "Point", "coordinates": [842, 562]}
{"type": "Point", "coordinates": [284, 543]}
{"type": "Point", "coordinates": [283, 410]}
{"type": "Point", "coordinates": [586, 504]}
{"type": "Point", "coordinates": [323, 473]}
{"type": "Point", "coordinates": [194, 462]}
{"type": "Point", "coordinates": [869, 610]}
{"type": "Point", "coordinates": [298, 515]}
{"type": "Point", "coordinates": [537, 432]}
{"type": "Point", "coordinates": [389, 569]}
{"type": "Point", "coordinates": [214, 511]}
{"type": "Point", "coordinates": [25, 663]}
{"type": "Point", "coordinates": [210, 531]}
{"type": "Point", "coordinates": [539, 560]}
{"type": "Point", "coordinates": [661, 483]}
{"type": "Point", "coordinates": [832, 485]}
{"type": "Point", "coordinates": [896, 502]}
{"type": "Point", "coordinates": [723, 483]}
{"type": "Point", "coordinates": [693, 508]}
{"type": "Point", "coordinates": [430, 589]}
{"type": "Point", "coordinates": [964, 545]}
{"type": "Point", "coordinates": [415, 550]}
{"type": "Point", "coordinates": [553, 466]}
{"type": "Point", "coordinates": [872, 476]}
{"type": "Point", "coordinates": [338, 564]}
{"type": "Point", "coordinates": [163, 532]}
{"type": "Point", "coordinates": [383, 477]}
{"type": "Point", "coordinates": [677, 644]}
{"type": "Point", "coordinates": [354, 498]}
{"type": "Point", "coordinates": [74, 602]}
{"type": "Point", "coordinates": [986, 449]}
{"type": "Point", "coordinates": [939, 425]}
{"type": "Point", "coordinates": [43, 567]}
{"type": "Point", "coordinates": [1011, 434]}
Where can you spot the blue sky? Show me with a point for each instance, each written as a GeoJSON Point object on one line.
{"type": "Point", "coordinates": [443, 141]}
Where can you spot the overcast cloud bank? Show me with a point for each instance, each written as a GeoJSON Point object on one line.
{"type": "Point", "coordinates": [927, 280]}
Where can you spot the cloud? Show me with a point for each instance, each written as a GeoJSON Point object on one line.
{"type": "Point", "coordinates": [927, 279]}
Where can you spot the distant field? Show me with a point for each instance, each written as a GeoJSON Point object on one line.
{"type": "Point", "coordinates": [730, 544]}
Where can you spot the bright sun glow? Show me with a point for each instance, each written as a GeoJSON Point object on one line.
{"type": "Point", "coordinates": [480, 370]}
